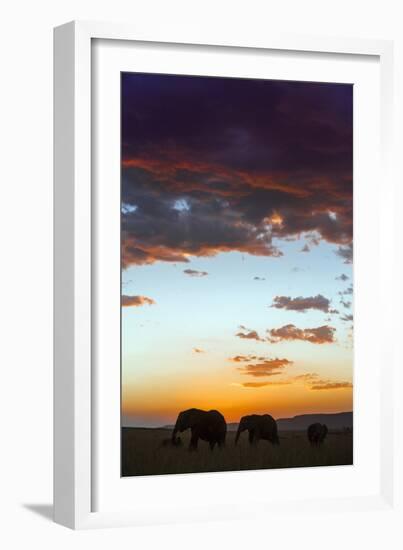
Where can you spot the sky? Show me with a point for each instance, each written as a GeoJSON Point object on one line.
{"type": "Point", "coordinates": [237, 245]}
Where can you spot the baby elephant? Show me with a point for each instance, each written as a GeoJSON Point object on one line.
{"type": "Point", "coordinates": [316, 434]}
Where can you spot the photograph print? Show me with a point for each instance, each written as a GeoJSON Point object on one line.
{"type": "Point", "coordinates": [236, 274]}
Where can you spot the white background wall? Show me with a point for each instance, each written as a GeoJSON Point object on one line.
{"type": "Point", "coordinates": [26, 254]}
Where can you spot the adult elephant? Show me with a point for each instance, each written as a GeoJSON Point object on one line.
{"type": "Point", "coordinates": [208, 426]}
{"type": "Point", "coordinates": [317, 433]}
{"type": "Point", "coordinates": [259, 427]}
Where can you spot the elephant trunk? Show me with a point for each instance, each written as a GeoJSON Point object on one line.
{"type": "Point", "coordinates": [174, 432]}
{"type": "Point", "coordinates": [238, 433]}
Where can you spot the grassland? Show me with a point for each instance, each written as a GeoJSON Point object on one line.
{"type": "Point", "coordinates": [143, 453]}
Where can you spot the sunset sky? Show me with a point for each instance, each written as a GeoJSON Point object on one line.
{"type": "Point", "coordinates": [237, 202]}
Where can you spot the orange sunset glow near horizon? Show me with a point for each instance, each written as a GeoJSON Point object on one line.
{"type": "Point", "coordinates": [237, 247]}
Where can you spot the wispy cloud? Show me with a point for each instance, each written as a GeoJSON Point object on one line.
{"type": "Point", "coordinates": [136, 301]}
{"type": "Point", "coordinates": [347, 292]}
{"type": "Point", "coordinates": [263, 384]}
{"type": "Point", "coordinates": [328, 385]}
{"type": "Point", "coordinates": [195, 273]}
{"type": "Point", "coordinates": [347, 317]}
{"type": "Point", "coordinates": [310, 379]}
{"type": "Point", "coordinates": [246, 358]}
{"type": "Point", "coordinates": [306, 377]}
{"type": "Point", "coordinates": [314, 240]}
{"type": "Point", "coordinates": [346, 252]}
{"type": "Point", "coordinates": [248, 334]}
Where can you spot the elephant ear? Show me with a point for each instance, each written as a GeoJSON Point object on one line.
{"type": "Point", "coordinates": [192, 417]}
{"type": "Point", "coordinates": [243, 424]}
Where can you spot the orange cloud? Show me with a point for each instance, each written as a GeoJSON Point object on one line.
{"type": "Point", "coordinates": [307, 377]}
{"type": "Point", "coordinates": [246, 358]}
{"type": "Point", "coordinates": [170, 170]}
{"type": "Point", "coordinates": [136, 301]}
{"type": "Point", "coordinates": [268, 367]}
{"type": "Point", "coordinates": [136, 252]}
{"type": "Point", "coordinates": [262, 384]}
{"type": "Point", "coordinates": [327, 385]}
{"type": "Point", "coordinates": [319, 335]}
{"type": "Point", "coordinates": [198, 350]}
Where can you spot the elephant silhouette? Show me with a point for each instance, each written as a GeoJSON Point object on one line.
{"type": "Point", "coordinates": [208, 426]}
{"type": "Point", "coordinates": [316, 434]}
{"type": "Point", "coordinates": [259, 427]}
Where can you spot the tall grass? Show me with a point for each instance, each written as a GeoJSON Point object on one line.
{"type": "Point", "coordinates": [143, 453]}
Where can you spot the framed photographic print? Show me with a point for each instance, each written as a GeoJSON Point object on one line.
{"type": "Point", "coordinates": [217, 243]}
{"type": "Point", "coordinates": [219, 233]}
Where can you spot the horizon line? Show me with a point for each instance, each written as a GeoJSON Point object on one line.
{"type": "Point", "coordinates": [162, 426]}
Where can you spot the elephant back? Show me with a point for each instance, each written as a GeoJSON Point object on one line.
{"type": "Point", "coordinates": [268, 426]}
{"type": "Point", "coordinates": [217, 420]}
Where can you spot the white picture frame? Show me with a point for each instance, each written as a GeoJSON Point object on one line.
{"type": "Point", "coordinates": [75, 390]}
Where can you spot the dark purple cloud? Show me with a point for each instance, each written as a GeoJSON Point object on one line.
{"type": "Point", "coordinates": [212, 165]}
{"type": "Point", "coordinates": [301, 304]}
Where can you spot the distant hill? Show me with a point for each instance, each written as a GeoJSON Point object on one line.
{"type": "Point", "coordinates": [334, 421]}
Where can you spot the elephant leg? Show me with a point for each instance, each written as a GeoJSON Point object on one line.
{"type": "Point", "coordinates": [252, 437]}
{"type": "Point", "coordinates": [212, 444]}
{"type": "Point", "coordinates": [193, 442]}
